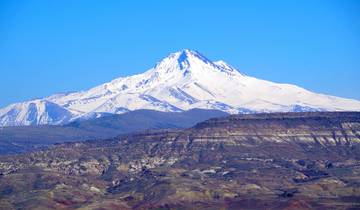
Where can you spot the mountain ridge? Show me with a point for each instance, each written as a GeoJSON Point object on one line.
{"type": "Point", "coordinates": [19, 139]}
{"type": "Point", "coordinates": [182, 81]}
{"type": "Point", "coordinates": [256, 161]}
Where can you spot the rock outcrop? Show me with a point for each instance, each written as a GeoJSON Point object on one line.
{"type": "Point", "coordinates": [273, 161]}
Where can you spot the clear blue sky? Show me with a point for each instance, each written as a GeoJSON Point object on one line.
{"type": "Point", "coordinates": [57, 46]}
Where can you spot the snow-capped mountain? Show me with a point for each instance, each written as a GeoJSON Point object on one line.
{"type": "Point", "coordinates": [184, 80]}
{"type": "Point", "coordinates": [34, 112]}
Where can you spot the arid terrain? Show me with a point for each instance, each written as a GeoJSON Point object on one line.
{"type": "Point", "coordinates": [256, 161]}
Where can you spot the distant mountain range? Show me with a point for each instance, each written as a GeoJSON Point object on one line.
{"type": "Point", "coordinates": [17, 139]}
{"type": "Point", "coordinates": [182, 81]}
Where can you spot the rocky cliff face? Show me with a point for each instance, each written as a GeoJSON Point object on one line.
{"type": "Point", "coordinates": [273, 161]}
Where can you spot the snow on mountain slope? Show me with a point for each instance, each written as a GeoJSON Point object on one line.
{"type": "Point", "coordinates": [184, 80]}
{"type": "Point", "coordinates": [33, 113]}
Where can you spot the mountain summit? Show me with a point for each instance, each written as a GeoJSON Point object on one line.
{"type": "Point", "coordinates": [183, 80]}
{"type": "Point", "coordinates": [190, 60]}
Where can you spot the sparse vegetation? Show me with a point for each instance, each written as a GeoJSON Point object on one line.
{"type": "Point", "coordinates": [273, 161]}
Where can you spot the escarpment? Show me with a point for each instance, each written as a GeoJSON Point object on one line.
{"type": "Point", "coordinates": [281, 160]}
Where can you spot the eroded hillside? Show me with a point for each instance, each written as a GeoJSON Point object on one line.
{"type": "Point", "coordinates": [263, 161]}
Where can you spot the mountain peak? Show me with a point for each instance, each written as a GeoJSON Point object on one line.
{"type": "Point", "coordinates": [187, 52]}
{"type": "Point", "coordinates": [184, 60]}
{"type": "Point", "coordinates": [186, 55]}
{"type": "Point", "coordinates": [181, 81]}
